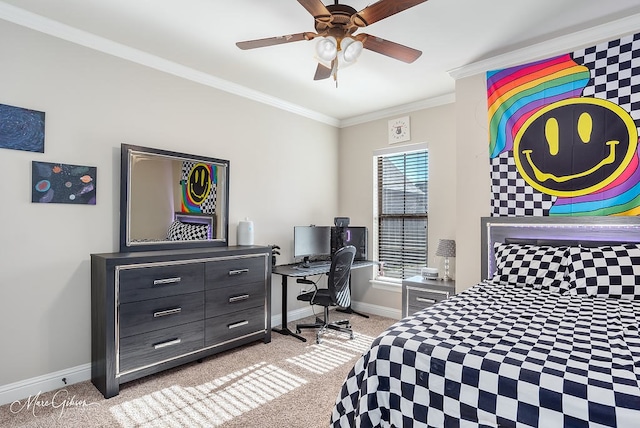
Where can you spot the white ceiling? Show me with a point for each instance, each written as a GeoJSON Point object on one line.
{"type": "Point", "coordinates": [196, 39]}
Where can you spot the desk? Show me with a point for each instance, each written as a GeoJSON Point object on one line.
{"type": "Point", "coordinates": [292, 270]}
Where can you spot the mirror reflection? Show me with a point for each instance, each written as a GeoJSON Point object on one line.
{"type": "Point", "coordinates": [173, 199]}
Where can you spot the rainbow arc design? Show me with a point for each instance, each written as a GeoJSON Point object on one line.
{"type": "Point", "coordinates": [515, 94]}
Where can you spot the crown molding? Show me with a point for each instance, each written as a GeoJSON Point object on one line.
{"type": "Point", "coordinates": [56, 29]}
{"type": "Point", "coordinates": [397, 110]}
{"type": "Point", "coordinates": [559, 45]}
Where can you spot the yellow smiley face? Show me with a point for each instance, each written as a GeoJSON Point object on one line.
{"type": "Point", "coordinates": [575, 146]}
{"type": "Point", "coordinates": [199, 183]}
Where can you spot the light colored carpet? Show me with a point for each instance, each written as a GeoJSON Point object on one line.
{"type": "Point", "coordinates": [286, 383]}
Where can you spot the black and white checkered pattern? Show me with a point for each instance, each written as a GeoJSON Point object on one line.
{"type": "Point", "coordinates": [511, 195]}
{"type": "Point", "coordinates": [615, 76]}
{"type": "Point", "coordinates": [615, 72]}
{"type": "Point", "coordinates": [531, 265]}
{"type": "Point", "coordinates": [501, 356]}
{"type": "Point", "coordinates": [179, 231]}
{"type": "Point", "coordinates": [612, 271]}
{"type": "Point", "coordinates": [174, 233]}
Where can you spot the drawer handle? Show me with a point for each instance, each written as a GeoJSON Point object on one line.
{"type": "Point", "coordinates": [238, 298]}
{"type": "Point", "coordinates": [167, 343]}
{"type": "Point", "coordinates": [423, 300]}
{"type": "Point", "coordinates": [167, 281]}
{"type": "Point", "coordinates": [238, 272]}
{"type": "Point", "coordinates": [167, 312]}
{"type": "Point", "coordinates": [238, 324]}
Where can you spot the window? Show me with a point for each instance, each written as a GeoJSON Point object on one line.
{"type": "Point", "coordinates": [402, 213]}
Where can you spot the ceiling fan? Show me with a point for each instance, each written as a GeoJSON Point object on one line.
{"type": "Point", "coordinates": [335, 26]}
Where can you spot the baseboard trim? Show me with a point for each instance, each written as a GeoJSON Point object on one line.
{"type": "Point", "coordinates": [48, 382]}
{"type": "Point", "coordinates": [294, 315]}
{"type": "Point", "coordinates": [382, 311]}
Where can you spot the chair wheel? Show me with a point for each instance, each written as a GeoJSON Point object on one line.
{"type": "Point", "coordinates": [297, 330]}
{"type": "Point", "coordinates": [351, 336]}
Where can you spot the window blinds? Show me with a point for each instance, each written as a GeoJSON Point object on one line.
{"type": "Point", "coordinates": [402, 213]}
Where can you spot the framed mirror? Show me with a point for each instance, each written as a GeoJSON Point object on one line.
{"type": "Point", "coordinates": [172, 200]}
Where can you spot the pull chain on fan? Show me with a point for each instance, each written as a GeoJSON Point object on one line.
{"type": "Point", "coordinates": [338, 54]}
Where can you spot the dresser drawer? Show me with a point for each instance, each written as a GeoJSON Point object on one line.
{"type": "Point", "coordinates": [155, 314]}
{"type": "Point", "coordinates": [225, 300]}
{"type": "Point", "coordinates": [142, 283]}
{"type": "Point", "coordinates": [155, 346]}
{"type": "Point", "coordinates": [420, 298]}
{"type": "Point", "coordinates": [231, 326]}
{"type": "Point", "coordinates": [225, 273]}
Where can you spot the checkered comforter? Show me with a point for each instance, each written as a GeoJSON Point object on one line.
{"type": "Point", "coordinates": [501, 356]}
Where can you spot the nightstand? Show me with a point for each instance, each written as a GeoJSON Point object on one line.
{"type": "Point", "coordinates": [419, 293]}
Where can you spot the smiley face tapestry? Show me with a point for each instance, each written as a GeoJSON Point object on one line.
{"type": "Point", "coordinates": [563, 133]}
{"type": "Point", "coordinates": [199, 187]}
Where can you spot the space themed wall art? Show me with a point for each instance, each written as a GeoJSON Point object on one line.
{"type": "Point", "coordinates": [62, 183]}
{"type": "Point", "coordinates": [563, 133]}
{"type": "Point", "coordinates": [21, 129]}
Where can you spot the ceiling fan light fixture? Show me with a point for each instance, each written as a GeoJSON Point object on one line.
{"type": "Point", "coordinates": [350, 50]}
{"type": "Point", "coordinates": [338, 22]}
{"type": "Point", "coordinates": [342, 62]}
{"type": "Point", "coordinates": [327, 48]}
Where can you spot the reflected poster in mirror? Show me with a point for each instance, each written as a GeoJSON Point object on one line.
{"type": "Point", "coordinates": [172, 200]}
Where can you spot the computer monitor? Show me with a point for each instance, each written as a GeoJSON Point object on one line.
{"type": "Point", "coordinates": [350, 235]}
{"type": "Point", "coordinates": [311, 242]}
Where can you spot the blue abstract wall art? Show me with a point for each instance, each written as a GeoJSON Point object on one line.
{"type": "Point", "coordinates": [21, 129]}
{"type": "Point", "coordinates": [62, 183]}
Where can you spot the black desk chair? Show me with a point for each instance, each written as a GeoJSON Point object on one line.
{"type": "Point", "coordinates": [336, 293]}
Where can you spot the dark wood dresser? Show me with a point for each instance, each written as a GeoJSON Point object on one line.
{"type": "Point", "coordinates": [155, 310]}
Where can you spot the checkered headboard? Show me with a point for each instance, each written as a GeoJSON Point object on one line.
{"type": "Point", "coordinates": [554, 231]}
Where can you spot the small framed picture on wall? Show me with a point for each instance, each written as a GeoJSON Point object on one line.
{"type": "Point", "coordinates": [399, 130]}
{"type": "Point", "coordinates": [21, 129]}
{"type": "Point", "coordinates": [62, 183]}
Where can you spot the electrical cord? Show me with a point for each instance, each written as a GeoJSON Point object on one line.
{"type": "Point", "coordinates": [309, 282]}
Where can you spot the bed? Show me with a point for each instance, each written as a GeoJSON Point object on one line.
{"type": "Point", "coordinates": [550, 340]}
{"type": "Point", "coordinates": [186, 227]}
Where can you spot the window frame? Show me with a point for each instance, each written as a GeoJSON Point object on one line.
{"type": "Point", "coordinates": [390, 282]}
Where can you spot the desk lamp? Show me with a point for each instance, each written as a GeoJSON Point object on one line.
{"type": "Point", "coordinates": [446, 249]}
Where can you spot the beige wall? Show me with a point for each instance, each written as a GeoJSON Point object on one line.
{"type": "Point", "coordinates": [433, 126]}
{"type": "Point", "coordinates": [283, 172]}
{"type": "Point", "coordinates": [473, 191]}
{"type": "Point", "coordinates": [154, 189]}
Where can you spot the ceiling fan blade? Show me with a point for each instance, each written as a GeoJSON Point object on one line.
{"type": "Point", "coordinates": [322, 72]}
{"type": "Point", "coordinates": [317, 9]}
{"type": "Point", "coordinates": [271, 41]}
{"type": "Point", "coordinates": [390, 49]}
{"type": "Point", "coordinates": [381, 10]}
